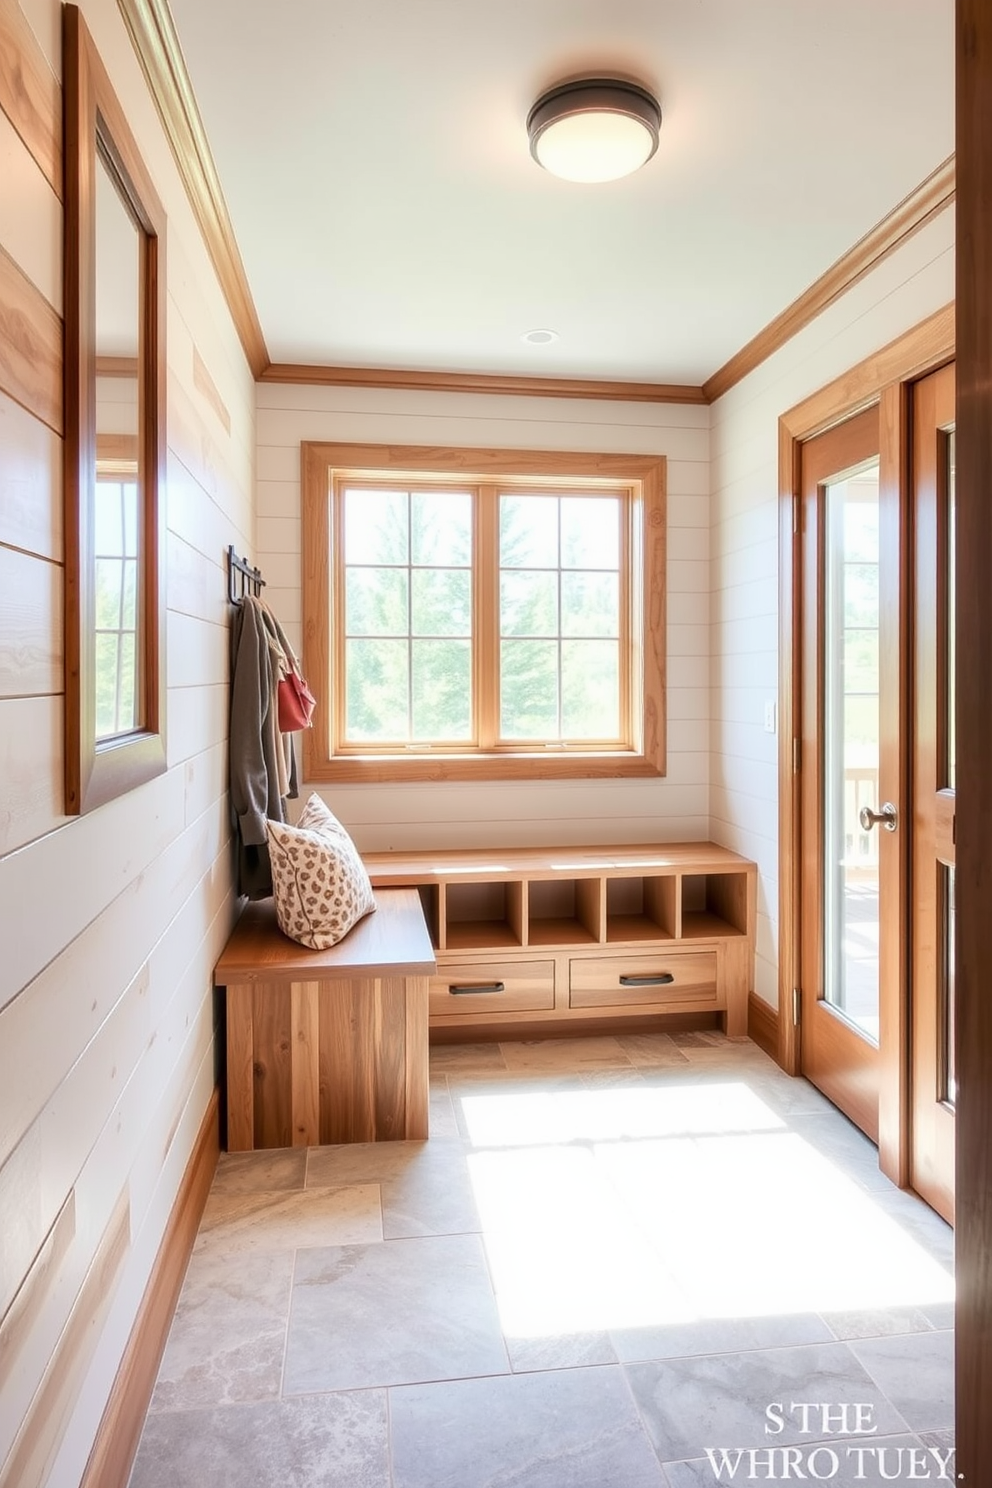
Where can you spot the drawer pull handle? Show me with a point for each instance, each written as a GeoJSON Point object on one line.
{"type": "Point", "coordinates": [659, 979]}
{"type": "Point", "coordinates": [466, 989]}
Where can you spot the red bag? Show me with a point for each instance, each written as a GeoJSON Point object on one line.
{"type": "Point", "coordinates": [296, 704]}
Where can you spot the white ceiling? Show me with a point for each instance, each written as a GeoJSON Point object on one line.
{"type": "Point", "coordinates": [375, 162]}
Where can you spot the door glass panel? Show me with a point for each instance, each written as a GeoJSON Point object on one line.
{"type": "Point", "coordinates": [851, 748]}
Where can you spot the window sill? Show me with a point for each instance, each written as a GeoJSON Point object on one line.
{"type": "Point", "coordinates": [555, 765]}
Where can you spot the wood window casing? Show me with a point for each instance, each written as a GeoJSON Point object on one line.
{"type": "Point", "coordinates": [642, 668]}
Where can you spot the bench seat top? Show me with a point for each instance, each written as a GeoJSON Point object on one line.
{"type": "Point", "coordinates": [391, 942]}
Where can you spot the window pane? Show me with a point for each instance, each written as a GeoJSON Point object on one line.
{"type": "Point", "coordinates": [528, 531]}
{"type": "Point", "coordinates": [528, 604]}
{"type": "Point", "coordinates": [126, 712]}
{"type": "Point", "coordinates": [129, 494]}
{"type": "Point", "coordinates": [590, 532]}
{"type": "Point", "coordinates": [860, 661]}
{"type": "Point", "coordinates": [106, 685]}
{"type": "Point", "coordinates": [590, 604]}
{"type": "Point", "coordinates": [108, 533]}
{"type": "Point", "coordinates": [129, 603]}
{"type": "Point", "coordinates": [860, 594]}
{"type": "Point", "coordinates": [442, 690]}
{"type": "Point", "coordinates": [441, 528]}
{"type": "Point", "coordinates": [376, 527]}
{"type": "Point", "coordinates": [378, 690]}
{"type": "Point", "coordinates": [442, 601]}
{"type": "Point", "coordinates": [109, 588]}
{"type": "Point", "coordinates": [590, 689]}
{"type": "Point", "coordinates": [529, 690]}
{"type": "Point", "coordinates": [376, 601]}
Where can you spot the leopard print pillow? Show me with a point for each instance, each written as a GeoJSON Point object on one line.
{"type": "Point", "coordinates": [319, 882]}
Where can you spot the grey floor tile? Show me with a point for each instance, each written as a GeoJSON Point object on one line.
{"type": "Point", "coordinates": [651, 1050]}
{"type": "Point", "coordinates": [465, 1059]}
{"type": "Point", "coordinates": [878, 1322]}
{"type": "Point", "coordinates": [547, 1055]}
{"type": "Point", "coordinates": [561, 1351]}
{"type": "Point", "coordinates": [397, 1313]}
{"type": "Point", "coordinates": [916, 1371]}
{"type": "Point", "coordinates": [690, 1404]}
{"type": "Point", "coordinates": [572, 1428]}
{"type": "Point", "coordinates": [240, 1222]}
{"type": "Point", "coordinates": [254, 1172]}
{"type": "Point", "coordinates": [338, 1440]}
{"type": "Point", "coordinates": [939, 1314]}
{"type": "Point", "coordinates": [426, 1187]}
{"type": "Point", "coordinates": [442, 1112]}
{"type": "Point", "coordinates": [228, 1337]}
{"type": "Point", "coordinates": [943, 1439]}
{"type": "Point", "coordinates": [922, 1223]}
{"type": "Point", "coordinates": [718, 1336]}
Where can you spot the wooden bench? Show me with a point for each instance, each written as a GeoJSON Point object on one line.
{"type": "Point", "coordinates": [328, 1046]}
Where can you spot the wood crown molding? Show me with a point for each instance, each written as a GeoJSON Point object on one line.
{"type": "Point", "coordinates": [116, 1443]}
{"type": "Point", "coordinates": [913, 212]}
{"type": "Point", "coordinates": [153, 35]}
{"type": "Point", "coordinates": [483, 382]}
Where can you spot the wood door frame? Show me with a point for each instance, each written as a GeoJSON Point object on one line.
{"type": "Point", "coordinates": [882, 378]}
{"type": "Point", "coordinates": [973, 882]}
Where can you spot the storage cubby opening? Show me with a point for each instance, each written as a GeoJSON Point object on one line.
{"type": "Point", "coordinates": [483, 915]}
{"type": "Point", "coordinates": [640, 908]}
{"type": "Point", "coordinates": [563, 911]}
{"type": "Point", "coordinates": [714, 904]}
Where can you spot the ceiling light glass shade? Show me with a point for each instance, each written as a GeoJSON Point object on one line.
{"type": "Point", "coordinates": [594, 130]}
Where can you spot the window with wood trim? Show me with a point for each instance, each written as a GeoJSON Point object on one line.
{"type": "Point", "coordinates": [483, 613]}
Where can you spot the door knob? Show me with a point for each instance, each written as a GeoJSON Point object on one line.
{"type": "Point", "coordinates": [888, 817]}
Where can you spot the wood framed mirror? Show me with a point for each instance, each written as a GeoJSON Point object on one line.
{"type": "Point", "coordinates": [114, 441]}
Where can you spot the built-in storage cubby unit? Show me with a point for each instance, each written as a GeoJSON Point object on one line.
{"type": "Point", "coordinates": [641, 908]}
{"type": "Point", "coordinates": [482, 915]}
{"type": "Point", "coordinates": [714, 904]}
{"type": "Point", "coordinates": [564, 911]}
{"type": "Point", "coordinates": [529, 939]}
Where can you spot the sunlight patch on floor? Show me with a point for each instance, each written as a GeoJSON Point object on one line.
{"type": "Point", "coordinates": [621, 1209]}
{"type": "Point", "coordinates": [542, 1118]}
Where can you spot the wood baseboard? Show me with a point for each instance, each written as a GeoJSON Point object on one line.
{"type": "Point", "coordinates": [762, 1025]}
{"type": "Point", "coordinates": [511, 1032]}
{"type": "Point", "coordinates": [116, 1443]}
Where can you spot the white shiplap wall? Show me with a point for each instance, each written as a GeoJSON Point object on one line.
{"type": "Point", "coordinates": [906, 288]}
{"type": "Point", "coordinates": [109, 924]}
{"type": "Point", "coordinates": [514, 813]}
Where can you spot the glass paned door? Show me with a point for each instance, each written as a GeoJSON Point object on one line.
{"type": "Point", "coordinates": [848, 793]}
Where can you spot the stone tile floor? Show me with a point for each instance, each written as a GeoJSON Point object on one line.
{"type": "Point", "coordinates": [612, 1255]}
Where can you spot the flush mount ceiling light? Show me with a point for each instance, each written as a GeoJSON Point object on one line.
{"type": "Point", "coordinates": [595, 129]}
{"type": "Point", "coordinates": [539, 338]}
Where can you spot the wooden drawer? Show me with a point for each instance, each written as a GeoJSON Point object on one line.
{"type": "Point", "coordinates": [654, 978]}
{"type": "Point", "coordinates": [525, 986]}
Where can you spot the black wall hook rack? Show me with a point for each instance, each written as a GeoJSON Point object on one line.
{"type": "Point", "coordinates": [241, 574]}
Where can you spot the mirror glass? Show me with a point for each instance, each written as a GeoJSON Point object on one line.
{"type": "Point", "coordinates": [116, 519]}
